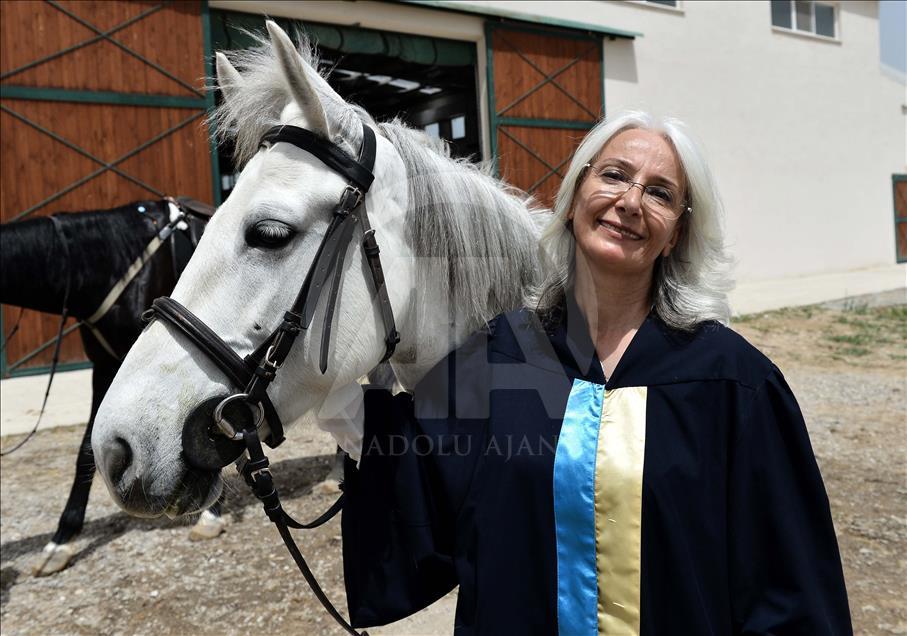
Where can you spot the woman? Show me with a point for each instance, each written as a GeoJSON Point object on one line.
{"type": "Point", "coordinates": [614, 460]}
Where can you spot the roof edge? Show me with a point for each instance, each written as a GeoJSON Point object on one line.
{"type": "Point", "coordinates": [523, 17]}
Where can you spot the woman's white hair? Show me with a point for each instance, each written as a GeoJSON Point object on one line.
{"type": "Point", "coordinates": [690, 285]}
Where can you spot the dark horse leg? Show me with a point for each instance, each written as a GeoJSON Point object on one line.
{"type": "Point", "coordinates": [74, 513]}
{"type": "Point", "coordinates": [57, 553]}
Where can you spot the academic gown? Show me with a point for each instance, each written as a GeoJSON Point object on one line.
{"type": "Point", "coordinates": [679, 496]}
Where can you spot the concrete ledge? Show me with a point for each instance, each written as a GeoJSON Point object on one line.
{"type": "Point", "coordinates": [20, 401]}
{"type": "Point", "coordinates": [756, 296]}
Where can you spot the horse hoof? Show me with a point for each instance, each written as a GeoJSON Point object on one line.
{"type": "Point", "coordinates": [327, 487]}
{"type": "Point", "coordinates": [53, 558]}
{"type": "Point", "coordinates": [207, 527]}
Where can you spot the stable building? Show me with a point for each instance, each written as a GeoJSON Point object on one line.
{"type": "Point", "coordinates": [104, 103]}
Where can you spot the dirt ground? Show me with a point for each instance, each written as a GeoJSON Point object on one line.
{"type": "Point", "coordinates": [847, 366]}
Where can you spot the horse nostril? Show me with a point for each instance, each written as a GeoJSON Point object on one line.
{"type": "Point", "coordinates": [204, 446]}
{"type": "Point", "coordinates": [117, 458]}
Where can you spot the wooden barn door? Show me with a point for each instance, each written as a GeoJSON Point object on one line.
{"type": "Point", "coordinates": [545, 91]}
{"type": "Point", "coordinates": [101, 103]}
{"type": "Point", "coordinates": [899, 186]}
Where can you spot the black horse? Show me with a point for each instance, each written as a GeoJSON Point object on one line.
{"type": "Point", "coordinates": [83, 257]}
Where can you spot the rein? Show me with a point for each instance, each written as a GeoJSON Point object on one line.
{"type": "Point", "coordinates": [256, 371]}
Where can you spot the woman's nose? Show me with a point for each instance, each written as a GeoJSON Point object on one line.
{"type": "Point", "coordinates": [631, 201]}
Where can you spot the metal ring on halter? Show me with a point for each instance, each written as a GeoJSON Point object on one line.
{"type": "Point", "coordinates": [225, 426]}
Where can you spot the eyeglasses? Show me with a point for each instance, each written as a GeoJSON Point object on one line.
{"type": "Point", "coordinates": [655, 198]}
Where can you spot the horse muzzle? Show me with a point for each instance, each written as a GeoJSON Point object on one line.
{"type": "Point", "coordinates": [145, 493]}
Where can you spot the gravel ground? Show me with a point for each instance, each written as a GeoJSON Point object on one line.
{"type": "Point", "coordinates": [847, 366]}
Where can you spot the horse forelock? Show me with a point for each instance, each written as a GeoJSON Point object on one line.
{"type": "Point", "coordinates": [257, 103]}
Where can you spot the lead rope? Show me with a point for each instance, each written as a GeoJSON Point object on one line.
{"type": "Point", "coordinates": [254, 470]}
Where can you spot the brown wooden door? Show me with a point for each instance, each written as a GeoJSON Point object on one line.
{"type": "Point", "coordinates": [102, 103]}
{"type": "Point", "coordinates": [545, 93]}
{"type": "Point", "coordinates": [899, 185]}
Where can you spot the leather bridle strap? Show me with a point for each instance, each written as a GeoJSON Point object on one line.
{"type": "Point", "coordinates": [256, 371]}
{"type": "Point", "coordinates": [203, 337]}
{"type": "Point", "coordinates": [254, 469]}
{"type": "Point", "coordinates": [359, 173]}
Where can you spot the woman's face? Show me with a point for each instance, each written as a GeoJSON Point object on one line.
{"type": "Point", "coordinates": [623, 234]}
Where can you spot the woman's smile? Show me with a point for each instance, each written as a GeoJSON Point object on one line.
{"type": "Point", "coordinates": [619, 231]}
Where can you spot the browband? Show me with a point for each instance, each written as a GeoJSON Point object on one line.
{"type": "Point", "coordinates": [329, 153]}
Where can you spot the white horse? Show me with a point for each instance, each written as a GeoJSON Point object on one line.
{"type": "Point", "coordinates": [457, 246]}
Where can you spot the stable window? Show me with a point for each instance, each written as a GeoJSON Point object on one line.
{"type": "Point", "coordinates": [805, 16]}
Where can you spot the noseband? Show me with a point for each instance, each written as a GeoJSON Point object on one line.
{"type": "Point", "coordinates": [252, 374]}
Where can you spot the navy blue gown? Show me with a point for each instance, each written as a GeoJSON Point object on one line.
{"type": "Point", "coordinates": [679, 496]}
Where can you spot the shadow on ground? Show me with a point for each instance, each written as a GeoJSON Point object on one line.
{"type": "Point", "coordinates": [294, 478]}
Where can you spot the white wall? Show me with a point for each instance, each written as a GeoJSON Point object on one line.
{"type": "Point", "coordinates": [802, 134]}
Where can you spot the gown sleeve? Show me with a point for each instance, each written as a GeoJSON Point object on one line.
{"type": "Point", "coordinates": [785, 568]}
{"type": "Point", "coordinates": [399, 522]}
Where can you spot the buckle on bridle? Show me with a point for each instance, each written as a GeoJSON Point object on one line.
{"type": "Point", "coordinates": [269, 361]}
{"type": "Point", "coordinates": [225, 426]}
{"type": "Point", "coordinates": [350, 191]}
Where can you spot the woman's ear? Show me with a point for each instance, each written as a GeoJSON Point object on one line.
{"type": "Point", "coordinates": [675, 237]}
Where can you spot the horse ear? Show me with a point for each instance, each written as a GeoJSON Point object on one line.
{"type": "Point", "coordinates": [228, 78]}
{"type": "Point", "coordinates": [301, 88]}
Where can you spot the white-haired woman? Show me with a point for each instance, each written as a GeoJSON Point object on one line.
{"type": "Point", "coordinates": [611, 459]}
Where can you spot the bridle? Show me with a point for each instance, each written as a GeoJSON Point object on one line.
{"type": "Point", "coordinates": [252, 374]}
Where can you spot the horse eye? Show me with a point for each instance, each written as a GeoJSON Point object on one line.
{"type": "Point", "coordinates": [269, 234]}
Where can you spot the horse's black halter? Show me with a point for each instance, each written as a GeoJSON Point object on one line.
{"type": "Point", "coordinates": [256, 371]}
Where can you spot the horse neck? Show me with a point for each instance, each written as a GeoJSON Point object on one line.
{"type": "Point", "coordinates": [101, 245]}
{"type": "Point", "coordinates": [432, 333]}
{"type": "Point", "coordinates": [31, 274]}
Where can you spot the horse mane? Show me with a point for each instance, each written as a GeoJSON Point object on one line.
{"type": "Point", "coordinates": [483, 231]}
{"type": "Point", "coordinates": [475, 225]}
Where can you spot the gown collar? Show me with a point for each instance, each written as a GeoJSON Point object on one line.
{"type": "Point", "coordinates": [576, 351]}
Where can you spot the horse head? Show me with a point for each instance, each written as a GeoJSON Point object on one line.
{"type": "Point", "coordinates": [456, 248]}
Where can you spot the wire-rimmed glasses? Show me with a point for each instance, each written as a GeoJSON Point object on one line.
{"type": "Point", "coordinates": [656, 199]}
